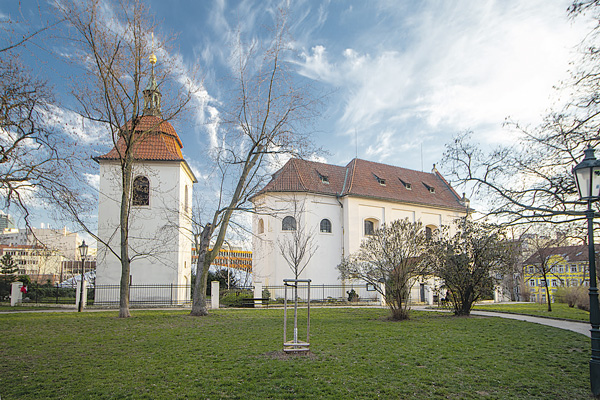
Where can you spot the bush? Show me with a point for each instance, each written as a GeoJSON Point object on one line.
{"type": "Point", "coordinates": [236, 298]}
{"type": "Point", "coordinates": [573, 296]}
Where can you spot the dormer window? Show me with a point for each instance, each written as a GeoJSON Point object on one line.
{"type": "Point", "coordinates": [381, 181]}
{"type": "Point", "coordinates": [407, 185]}
{"type": "Point", "coordinates": [324, 178]}
{"type": "Point", "coordinates": [430, 188]}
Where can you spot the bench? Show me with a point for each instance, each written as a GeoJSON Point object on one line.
{"type": "Point", "coordinates": [251, 302]}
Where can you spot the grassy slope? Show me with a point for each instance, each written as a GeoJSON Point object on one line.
{"type": "Point", "coordinates": [559, 310]}
{"type": "Point", "coordinates": [236, 354]}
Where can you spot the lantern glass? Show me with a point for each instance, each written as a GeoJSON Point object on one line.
{"type": "Point", "coordinates": [587, 176]}
{"type": "Point", "coordinates": [83, 249]}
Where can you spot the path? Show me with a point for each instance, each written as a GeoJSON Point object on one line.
{"type": "Point", "coordinates": [578, 327]}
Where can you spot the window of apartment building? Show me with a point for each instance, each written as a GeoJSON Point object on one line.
{"type": "Point", "coordinates": [561, 269]}
{"type": "Point", "coordinates": [531, 270]}
{"type": "Point", "coordinates": [532, 282]}
{"type": "Point", "coordinates": [573, 268]}
{"type": "Point", "coordinates": [554, 283]}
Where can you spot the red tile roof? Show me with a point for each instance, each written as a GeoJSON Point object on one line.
{"type": "Point", "coordinates": [158, 142]}
{"type": "Point", "coordinates": [366, 179]}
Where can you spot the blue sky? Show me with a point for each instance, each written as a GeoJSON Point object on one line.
{"type": "Point", "coordinates": [404, 76]}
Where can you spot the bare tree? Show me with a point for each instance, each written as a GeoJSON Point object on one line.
{"type": "Point", "coordinates": [470, 263]}
{"type": "Point", "coordinates": [531, 181]}
{"type": "Point", "coordinates": [297, 247]}
{"type": "Point", "coordinates": [114, 49]}
{"type": "Point", "coordinates": [269, 107]}
{"type": "Point", "coordinates": [543, 247]}
{"type": "Point", "coordinates": [392, 255]}
{"type": "Point", "coordinates": [33, 156]}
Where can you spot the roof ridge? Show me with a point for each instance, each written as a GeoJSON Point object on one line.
{"type": "Point", "coordinates": [294, 161]}
{"type": "Point", "coordinates": [353, 162]}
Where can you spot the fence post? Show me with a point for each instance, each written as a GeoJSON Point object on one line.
{"type": "Point", "coordinates": [382, 285]}
{"type": "Point", "coordinates": [258, 288]}
{"type": "Point", "coordinates": [214, 295]}
{"type": "Point", "coordinates": [57, 293]}
{"type": "Point", "coordinates": [15, 293]}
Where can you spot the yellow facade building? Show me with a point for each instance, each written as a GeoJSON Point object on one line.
{"type": "Point", "coordinates": [565, 266]}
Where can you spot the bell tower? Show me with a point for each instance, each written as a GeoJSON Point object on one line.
{"type": "Point", "coordinates": [160, 213]}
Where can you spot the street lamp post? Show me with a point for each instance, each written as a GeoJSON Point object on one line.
{"type": "Point", "coordinates": [228, 255]}
{"type": "Point", "coordinates": [587, 177]}
{"type": "Point", "coordinates": [83, 253]}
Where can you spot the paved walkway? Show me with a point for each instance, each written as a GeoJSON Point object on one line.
{"type": "Point", "coordinates": [578, 327]}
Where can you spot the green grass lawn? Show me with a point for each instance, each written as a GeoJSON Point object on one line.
{"type": "Point", "coordinates": [559, 310]}
{"type": "Point", "coordinates": [236, 354]}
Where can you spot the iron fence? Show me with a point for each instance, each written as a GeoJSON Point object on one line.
{"type": "Point", "coordinates": [180, 295]}
{"type": "Point", "coordinates": [145, 295]}
{"type": "Point", "coordinates": [328, 294]}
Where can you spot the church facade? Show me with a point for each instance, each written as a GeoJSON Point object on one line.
{"type": "Point", "coordinates": [338, 207]}
{"type": "Point", "coordinates": [160, 213]}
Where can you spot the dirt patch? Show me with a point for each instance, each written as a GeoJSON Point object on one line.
{"type": "Point", "coordinates": [282, 355]}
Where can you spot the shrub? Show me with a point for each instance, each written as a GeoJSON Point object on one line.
{"type": "Point", "coordinates": [236, 298]}
{"type": "Point", "coordinates": [574, 296]}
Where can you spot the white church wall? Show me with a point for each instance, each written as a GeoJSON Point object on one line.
{"type": "Point", "coordinates": [268, 264]}
{"type": "Point", "coordinates": [161, 251]}
{"type": "Point", "coordinates": [347, 219]}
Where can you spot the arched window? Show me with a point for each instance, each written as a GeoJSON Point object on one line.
{"type": "Point", "coordinates": [141, 191]}
{"type": "Point", "coordinates": [325, 226]}
{"type": "Point", "coordinates": [288, 224]}
{"type": "Point", "coordinates": [370, 226]}
{"type": "Point", "coordinates": [261, 226]}
{"type": "Point", "coordinates": [430, 230]}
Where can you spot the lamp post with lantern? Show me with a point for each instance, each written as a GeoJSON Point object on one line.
{"type": "Point", "coordinates": [83, 249]}
{"type": "Point", "coordinates": [587, 177]}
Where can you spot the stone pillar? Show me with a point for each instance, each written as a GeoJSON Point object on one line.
{"type": "Point", "coordinates": [258, 287]}
{"type": "Point", "coordinates": [428, 295]}
{"type": "Point", "coordinates": [78, 294]}
{"type": "Point", "coordinates": [15, 293]}
{"type": "Point", "coordinates": [214, 295]}
{"type": "Point", "coordinates": [382, 296]}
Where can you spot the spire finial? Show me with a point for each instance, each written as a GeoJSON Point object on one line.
{"type": "Point", "coordinates": [152, 94]}
{"type": "Point", "coordinates": [152, 57]}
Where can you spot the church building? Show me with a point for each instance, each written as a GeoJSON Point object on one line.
{"type": "Point", "coordinates": [339, 206]}
{"type": "Point", "coordinates": [160, 214]}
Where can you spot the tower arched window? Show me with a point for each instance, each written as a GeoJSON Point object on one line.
{"type": "Point", "coordinates": [325, 226]}
{"type": "Point", "coordinates": [141, 191]}
{"type": "Point", "coordinates": [261, 226]}
{"type": "Point", "coordinates": [288, 224]}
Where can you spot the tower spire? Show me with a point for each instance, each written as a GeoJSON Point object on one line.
{"type": "Point", "coordinates": [152, 95]}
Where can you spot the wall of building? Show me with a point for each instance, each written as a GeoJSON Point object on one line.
{"type": "Point", "coordinates": [160, 233]}
{"type": "Point", "coordinates": [347, 221]}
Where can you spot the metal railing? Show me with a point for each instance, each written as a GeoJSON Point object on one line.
{"type": "Point", "coordinates": [145, 295]}
{"type": "Point", "coordinates": [329, 294]}
{"type": "Point", "coordinates": [171, 295]}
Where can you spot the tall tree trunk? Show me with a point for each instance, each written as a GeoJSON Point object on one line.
{"type": "Point", "coordinates": [199, 306]}
{"type": "Point", "coordinates": [124, 225]}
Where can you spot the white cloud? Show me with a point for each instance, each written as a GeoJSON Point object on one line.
{"type": "Point", "coordinates": [446, 67]}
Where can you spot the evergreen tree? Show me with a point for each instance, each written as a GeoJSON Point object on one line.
{"type": "Point", "coordinates": [8, 269]}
